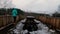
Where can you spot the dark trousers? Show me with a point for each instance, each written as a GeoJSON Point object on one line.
{"type": "Point", "coordinates": [14, 18]}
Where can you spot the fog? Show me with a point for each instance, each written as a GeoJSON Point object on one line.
{"type": "Point", "coordinates": [37, 6]}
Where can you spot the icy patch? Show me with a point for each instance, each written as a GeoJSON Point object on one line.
{"type": "Point", "coordinates": [52, 30]}
{"type": "Point", "coordinates": [24, 31]}
{"type": "Point", "coordinates": [18, 28]}
{"type": "Point", "coordinates": [42, 32]}
{"type": "Point", "coordinates": [23, 20]}
{"type": "Point", "coordinates": [36, 21]}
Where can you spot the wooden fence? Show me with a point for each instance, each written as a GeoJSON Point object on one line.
{"type": "Point", "coordinates": [53, 21]}
{"type": "Point", "coordinates": [8, 19]}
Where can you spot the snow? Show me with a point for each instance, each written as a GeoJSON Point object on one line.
{"type": "Point", "coordinates": [42, 29]}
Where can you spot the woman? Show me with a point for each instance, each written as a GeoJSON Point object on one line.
{"type": "Point", "coordinates": [14, 14]}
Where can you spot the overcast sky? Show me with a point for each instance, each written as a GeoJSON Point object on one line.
{"type": "Point", "coordinates": [38, 6]}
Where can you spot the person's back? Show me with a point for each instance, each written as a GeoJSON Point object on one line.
{"type": "Point", "coordinates": [14, 12]}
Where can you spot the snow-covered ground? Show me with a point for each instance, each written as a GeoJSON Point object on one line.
{"type": "Point", "coordinates": [42, 29]}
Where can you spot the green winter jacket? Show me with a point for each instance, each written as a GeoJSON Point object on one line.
{"type": "Point", "coordinates": [14, 12]}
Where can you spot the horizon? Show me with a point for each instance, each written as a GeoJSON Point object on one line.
{"type": "Point", "coordinates": [37, 6]}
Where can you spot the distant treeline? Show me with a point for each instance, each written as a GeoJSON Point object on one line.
{"type": "Point", "coordinates": [41, 14]}
{"type": "Point", "coordinates": [36, 14]}
{"type": "Point", "coordinates": [4, 11]}
{"type": "Point", "coordinates": [56, 14]}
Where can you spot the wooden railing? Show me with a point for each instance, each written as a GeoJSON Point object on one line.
{"type": "Point", "coordinates": [53, 21]}
{"type": "Point", "coordinates": [4, 20]}
{"type": "Point", "coordinates": [8, 19]}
